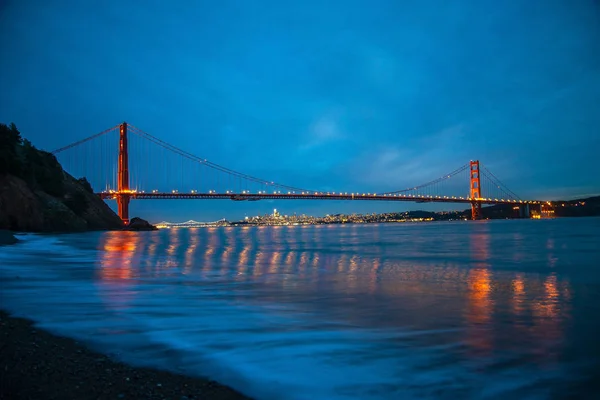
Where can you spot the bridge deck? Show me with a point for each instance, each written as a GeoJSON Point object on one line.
{"type": "Point", "coordinates": [311, 196]}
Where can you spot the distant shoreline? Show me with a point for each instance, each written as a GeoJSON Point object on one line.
{"type": "Point", "coordinates": [35, 364]}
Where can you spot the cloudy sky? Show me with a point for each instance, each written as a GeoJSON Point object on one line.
{"type": "Point", "coordinates": [376, 95]}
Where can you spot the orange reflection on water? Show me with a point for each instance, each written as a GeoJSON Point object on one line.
{"type": "Point", "coordinates": [315, 261]}
{"type": "Point", "coordinates": [374, 273]}
{"type": "Point", "coordinates": [518, 297]}
{"type": "Point", "coordinates": [353, 281]}
{"type": "Point", "coordinates": [191, 250]}
{"type": "Point", "coordinates": [174, 234]}
{"type": "Point", "coordinates": [259, 262]}
{"type": "Point", "coordinates": [547, 308]}
{"type": "Point", "coordinates": [119, 248]}
{"type": "Point", "coordinates": [275, 262]}
{"type": "Point", "coordinates": [479, 294]}
{"type": "Point", "coordinates": [244, 258]}
{"type": "Point", "coordinates": [116, 269]}
{"type": "Point", "coordinates": [211, 247]}
{"type": "Point", "coordinates": [289, 263]}
{"type": "Point", "coordinates": [230, 248]}
{"type": "Point", "coordinates": [289, 258]}
{"type": "Point", "coordinates": [549, 319]}
{"type": "Point", "coordinates": [303, 264]}
{"type": "Point", "coordinates": [342, 262]}
{"type": "Point", "coordinates": [479, 308]}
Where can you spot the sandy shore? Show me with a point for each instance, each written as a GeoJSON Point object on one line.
{"type": "Point", "coordinates": [35, 364]}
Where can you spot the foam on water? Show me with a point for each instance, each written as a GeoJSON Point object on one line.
{"type": "Point", "coordinates": [210, 325]}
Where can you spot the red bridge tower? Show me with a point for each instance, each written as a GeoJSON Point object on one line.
{"type": "Point", "coordinates": [475, 192]}
{"type": "Point", "coordinates": [123, 196]}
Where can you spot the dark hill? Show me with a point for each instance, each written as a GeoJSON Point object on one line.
{"type": "Point", "coordinates": [37, 195]}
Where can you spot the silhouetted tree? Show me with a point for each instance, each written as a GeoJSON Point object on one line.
{"type": "Point", "coordinates": [49, 174]}
{"type": "Point", "coordinates": [41, 169]}
{"type": "Point", "coordinates": [10, 140]}
{"type": "Point", "coordinates": [86, 184]}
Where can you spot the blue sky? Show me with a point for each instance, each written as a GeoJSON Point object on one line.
{"type": "Point", "coordinates": [378, 95]}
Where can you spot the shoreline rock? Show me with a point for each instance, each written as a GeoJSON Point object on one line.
{"type": "Point", "coordinates": [139, 224]}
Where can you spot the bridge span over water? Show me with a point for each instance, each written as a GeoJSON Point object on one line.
{"type": "Point", "coordinates": [130, 164]}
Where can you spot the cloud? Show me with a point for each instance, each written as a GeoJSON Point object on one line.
{"type": "Point", "coordinates": [395, 167]}
{"type": "Point", "coordinates": [324, 130]}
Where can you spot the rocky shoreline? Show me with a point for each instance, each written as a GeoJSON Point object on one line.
{"type": "Point", "coordinates": [35, 364]}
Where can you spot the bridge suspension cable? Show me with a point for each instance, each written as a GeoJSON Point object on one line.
{"type": "Point", "coordinates": [210, 164]}
{"type": "Point", "coordinates": [97, 135]}
{"type": "Point", "coordinates": [433, 182]}
{"type": "Point", "coordinates": [504, 190]}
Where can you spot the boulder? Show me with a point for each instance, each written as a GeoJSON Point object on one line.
{"type": "Point", "coordinates": [138, 224]}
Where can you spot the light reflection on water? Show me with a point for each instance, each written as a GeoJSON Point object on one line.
{"type": "Point", "coordinates": [375, 311]}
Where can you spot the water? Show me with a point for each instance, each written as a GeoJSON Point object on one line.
{"type": "Point", "coordinates": [483, 309]}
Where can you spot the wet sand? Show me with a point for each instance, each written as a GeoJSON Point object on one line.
{"type": "Point", "coordinates": [35, 364]}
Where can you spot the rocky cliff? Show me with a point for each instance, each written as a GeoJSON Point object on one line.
{"type": "Point", "coordinates": [37, 195]}
{"type": "Point", "coordinates": [23, 208]}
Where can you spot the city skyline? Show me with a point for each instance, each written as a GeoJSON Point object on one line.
{"type": "Point", "coordinates": [350, 93]}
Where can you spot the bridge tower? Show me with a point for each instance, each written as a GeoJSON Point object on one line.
{"type": "Point", "coordinates": [123, 196]}
{"type": "Point", "coordinates": [475, 191]}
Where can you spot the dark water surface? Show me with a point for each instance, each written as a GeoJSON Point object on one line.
{"type": "Point", "coordinates": [483, 309]}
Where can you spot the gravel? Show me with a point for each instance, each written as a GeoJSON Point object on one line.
{"type": "Point", "coordinates": [35, 364]}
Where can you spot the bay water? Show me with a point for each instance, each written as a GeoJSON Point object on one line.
{"type": "Point", "coordinates": [470, 309]}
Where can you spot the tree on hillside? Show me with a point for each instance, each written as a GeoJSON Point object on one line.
{"type": "Point", "coordinates": [10, 140]}
{"type": "Point", "coordinates": [20, 158]}
{"type": "Point", "coordinates": [86, 184]}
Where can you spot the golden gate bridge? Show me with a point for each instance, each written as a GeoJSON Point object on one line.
{"type": "Point", "coordinates": [130, 164]}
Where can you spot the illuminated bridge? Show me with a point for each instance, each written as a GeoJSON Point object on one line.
{"type": "Point", "coordinates": [130, 164]}
{"type": "Point", "coordinates": [189, 224]}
